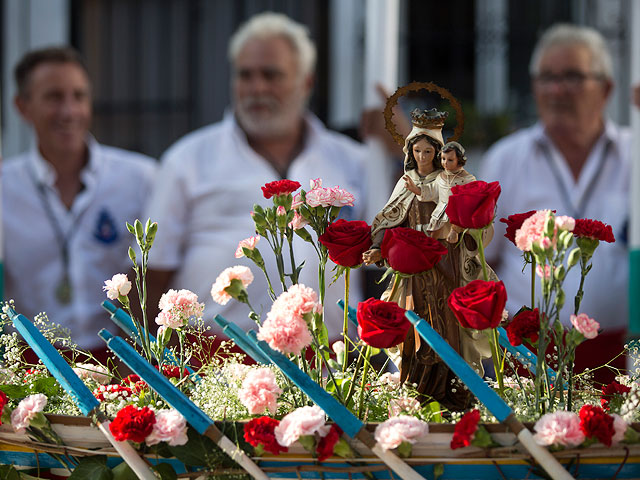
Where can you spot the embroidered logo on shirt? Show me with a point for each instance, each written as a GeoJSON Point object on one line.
{"type": "Point", "coordinates": [105, 231]}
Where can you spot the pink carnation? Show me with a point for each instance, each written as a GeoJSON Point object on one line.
{"type": "Point", "coordinates": [585, 325]}
{"type": "Point", "coordinates": [297, 201]}
{"type": "Point", "coordinates": [315, 183]}
{"type": "Point", "coordinates": [619, 428]}
{"type": "Point", "coordinates": [26, 410]}
{"type": "Point", "coordinates": [281, 211]}
{"type": "Point", "coordinates": [97, 373]}
{"type": "Point", "coordinates": [396, 430]}
{"type": "Point", "coordinates": [298, 301]}
{"type": "Point", "coordinates": [177, 306]}
{"type": "Point", "coordinates": [238, 272]}
{"type": "Point", "coordinates": [170, 427]}
{"type": "Point", "coordinates": [302, 421]}
{"type": "Point", "coordinates": [563, 222]}
{"type": "Point", "coordinates": [559, 428]}
{"type": "Point", "coordinates": [260, 391]}
{"type": "Point", "coordinates": [547, 271]}
{"type": "Point", "coordinates": [342, 198]}
{"type": "Point", "coordinates": [298, 222]}
{"type": "Point", "coordinates": [248, 243]}
{"type": "Point", "coordinates": [119, 285]}
{"type": "Point", "coordinates": [285, 334]}
{"type": "Point", "coordinates": [403, 405]}
{"type": "Point", "coordinates": [320, 197]}
{"type": "Point", "coordinates": [532, 230]}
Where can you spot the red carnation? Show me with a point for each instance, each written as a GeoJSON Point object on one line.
{"type": "Point", "coordinates": [525, 324]}
{"type": "Point", "coordinates": [479, 304]}
{"type": "Point", "coordinates": [473, 204]}
{"type": "Point", "coordinates": [279, 187]}
{"type": "Point", "coordinates": [260, 431]}
{"type": "Point", "coordinates": [3, 401]}
{"type": "Point", "coordinates": [346, 241]}
{"type": "Point", "coordinates": [325, 446]}
{"type": "Point", "coordinates": [131, 379]}
{"type": "Point", "coordinates": [109, 392]}
{"type": "Point", "coordinates": [465, 429]}
{"type": "Point", "coordinates": [410, 251]}
{"type": "Point", "coordinates": [514, 222]}
{"type": "Point", "coordinates": [173, 371]}
{"type": "Point", "coordinates": [381, 324]}
{"type": "Point", "coordinates": [610, 391]}
{"type": "Point", "coordinates": [593, 229]}
{"type": "Point", "coordinates": [133, 423]}
{"type": "Point", "coordinates": [594, 422]}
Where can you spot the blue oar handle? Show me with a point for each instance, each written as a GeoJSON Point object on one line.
{"type": "Point", "coordinates": [456, 363]}
{"type": "Point", "coordinates": [239, 337]}
{"type": "Point", "coordinates": [525, 356]}
{"type": "Point", "coordinates": [125, 323]}
{"type": "Point", "coordinates": [351, 314]}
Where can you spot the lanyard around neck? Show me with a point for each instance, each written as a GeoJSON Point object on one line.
{"type": "Point", "coordinates": [576, 212]}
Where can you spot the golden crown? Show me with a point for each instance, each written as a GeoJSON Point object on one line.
{"type": "Point", "coordinates": [428, 118]}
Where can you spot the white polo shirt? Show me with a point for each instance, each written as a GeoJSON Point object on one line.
{"type": "Point", "coordinates": [206, 188]}
{"type": "Point", "coordinates": [116, 183]}
{"type": "Point", "coordinates": [533, 175]}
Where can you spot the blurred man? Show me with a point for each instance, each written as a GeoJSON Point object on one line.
{"type": "Point", "coordinates": [66, 200]}
{"type": "Point", "coordinates": [574, 161]}
{"type": "Point", "coordinates": [211, 178]}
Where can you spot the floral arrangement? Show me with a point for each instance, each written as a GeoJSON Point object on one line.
{"type": "Point", "coordinates": [276, 412]}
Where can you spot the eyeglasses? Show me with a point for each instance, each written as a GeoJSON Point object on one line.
{"type": "Point", "coordinates": [570, 80]}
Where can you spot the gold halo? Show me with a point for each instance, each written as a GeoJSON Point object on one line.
{"type": "Point", "coordinates": [392, 101]}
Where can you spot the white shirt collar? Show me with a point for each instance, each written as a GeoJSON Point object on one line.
{"type": "Point", "coordinates": [45, 174]}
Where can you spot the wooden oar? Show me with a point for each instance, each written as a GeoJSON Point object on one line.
{"type": "Point", "coordinates": [174, 397]}
{"type": "Point", "coordinates": [81, 395]}
{"type": "Point", "coordinates": [347, 421]}
{"type": "Point", "coordinates": [496, 405]}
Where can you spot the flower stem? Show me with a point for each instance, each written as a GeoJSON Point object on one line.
{"type": "Point", "coordinates": [533, 282]}
{"type": "Point", "coordinates": [367, 356]}
{"type": "Point", "coordinates": [345, 324]}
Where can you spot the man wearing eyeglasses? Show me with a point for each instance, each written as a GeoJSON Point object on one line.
{"type": "Point", "coordinates": [575, 161]}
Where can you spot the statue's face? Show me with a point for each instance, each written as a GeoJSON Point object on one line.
{"type": "Point", "coordinates": [423, 152]}
{"type": "Point", "coordinates": [450, 161]}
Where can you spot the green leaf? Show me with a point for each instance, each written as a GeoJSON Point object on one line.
{"type": "Point", "coordinates": [404, 450]}
{"type": "Point", "coordinates": [124, 472]}
{"type": "Point", "coordinates": [482, 438]}
{"type": "Point", "coordinates": [15, 391]}
{"type": "Point", "coordinates": [196, 451]}
{"type": "Point", "coordinates": [8, 472]}
{"type": "Point", "coordinates": [48, 385]}
{"type": "Point", "coordinates": [94, 468]}
{"type": "Point", "coordinates": [438, 470]}
{"type": "Point", "coordinates": [166, 471]}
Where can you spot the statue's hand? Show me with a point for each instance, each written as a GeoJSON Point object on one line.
{"type": "Point", "coordinates": [410, 185]}
{"type": "Point", "coordinates": [372, 255]}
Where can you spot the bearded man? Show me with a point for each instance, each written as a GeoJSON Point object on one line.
{"type": "Point", "coordinates": [211, 178]}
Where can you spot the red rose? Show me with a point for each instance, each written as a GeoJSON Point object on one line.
{"type": "Point", "coordinates": [473, 205]}
{"type": "Point", "coordinates": [479, 304]}
{"type": "Point", "coordinates": [133, 423]}
{"type": "Point", "coordinates": [593, 229]}
{"type": "Point", "coordinates": [260, 431]}
{"type": "Point", "coordinates": [381, 324]}
{"type": "Point", "coordinates": [465, 429]}
{"type": "Point", "coordinates": [609, 392]}
{"type": "Point", "coordinates": [279, 187]}
{"type": "Point", "coordinates": [514, 222]}
{"type": "Point", "coordinates": [410, 251]}
{"type": "Point", "coordinates": [3, 401]}
{"type": "Point", "coordinates": [346, 241]}
{"type": "Point", "coordinates": [525, 324]}
{"type": "Point", "coordinates": [594, 422]}
{"type": "Point", "coordinates": [325, 446]}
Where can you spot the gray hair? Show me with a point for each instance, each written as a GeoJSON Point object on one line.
{"type": "Point", "coordinates": [270, 24]}
{"type": "Point", "coordinates": [567, 34]}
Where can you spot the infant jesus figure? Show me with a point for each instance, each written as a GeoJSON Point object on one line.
{"type": "Point", "coordinates": [453, 159]}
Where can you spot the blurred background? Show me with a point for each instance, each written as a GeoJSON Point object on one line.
{"type": "Point", "coordinates": [160, 69]}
